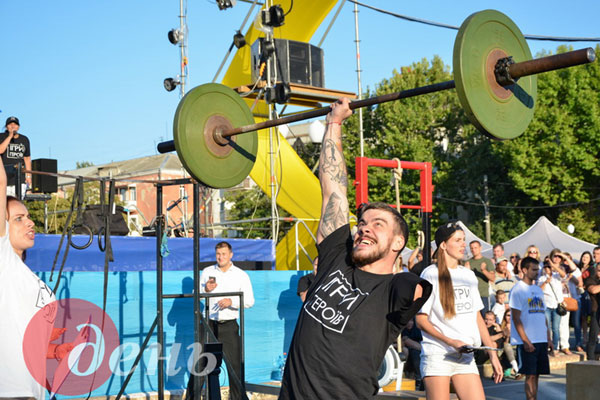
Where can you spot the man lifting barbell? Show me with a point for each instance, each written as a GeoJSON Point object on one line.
{"type": "Point", "coordinates": [357, 307]}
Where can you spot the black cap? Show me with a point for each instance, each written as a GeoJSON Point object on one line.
{"type": "Point", "coordinates": [444, 232]}
{"type": "Point", "coordinates": [10, 120]}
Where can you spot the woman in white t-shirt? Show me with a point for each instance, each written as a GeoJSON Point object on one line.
{"type": "Point", "coordinates": [22, 295]}
{"type": "Point", "coordinates": [451, 323]}
{"type": "Point", "coordinates": [553, 296]}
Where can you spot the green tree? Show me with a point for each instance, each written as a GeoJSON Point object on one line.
{"type": "Point", "coordinates": [253, 204]}
{"type": "Point", "coordinates": [555, 160]}
{"type": "Point", "coordinates": [83, 164]}
{"type": "Point", "coordinates": [59, 207]}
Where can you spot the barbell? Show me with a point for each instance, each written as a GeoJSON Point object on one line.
{"type": "Point", "coordinates": [494, 76]}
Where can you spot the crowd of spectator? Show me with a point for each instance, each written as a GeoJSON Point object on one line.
{"type": "Point", "coordinates": [570, 289]}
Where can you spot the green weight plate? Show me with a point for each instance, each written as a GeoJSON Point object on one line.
{"type": "Point", "coordinates": [499, 112]}
{"type": "Point", "coordinates": [203, 110]}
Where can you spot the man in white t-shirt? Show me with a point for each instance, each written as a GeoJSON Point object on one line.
{"type": "Point", "coordinates": [529, 330]}
{"type": "Point", "coordinates": [225, 277]}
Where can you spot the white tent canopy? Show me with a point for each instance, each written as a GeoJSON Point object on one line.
{"type": "Point", "coordinates": [546, 236]}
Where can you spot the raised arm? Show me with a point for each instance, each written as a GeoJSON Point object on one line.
{"type": "Point", "coordinates": [332, 173]}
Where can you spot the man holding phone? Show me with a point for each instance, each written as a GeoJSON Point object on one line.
{"type": "Point", "coordinates": [224, 277]}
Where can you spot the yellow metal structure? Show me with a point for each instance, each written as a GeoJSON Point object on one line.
{"type": "Point", "coordinates": [299, 191]}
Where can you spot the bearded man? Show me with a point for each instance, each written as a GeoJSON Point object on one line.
{"type": "Point", "coordinates": [357, 307]}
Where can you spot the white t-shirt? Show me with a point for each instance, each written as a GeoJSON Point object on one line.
{"type": "Point", "coordinates": [550, 300]}
{"type": "Point", "coordinates": [233, 280]}
{"type": "Point", "coordinates": [22, 294]}
{"type": "Point", "coordinates": [529, 299]}
{"type": "Point", "coordinates": [499, 310]}
{"type": "Point", "coordinates": [467, 303]}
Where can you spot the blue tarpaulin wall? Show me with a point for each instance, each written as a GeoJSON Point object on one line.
{"type": "Point", "coordinates": [139, 253]}
{"type": "Point", "coordinates": [131, 303]}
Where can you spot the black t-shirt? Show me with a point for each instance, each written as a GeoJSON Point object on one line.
{"type": "Point", "coordinates": [305, 282]}
{"type": "Point", "coordinates": [17, 150]}
{"type": "Point", "coordinates": [345, 326]}
{"type": "Point", "coordinates": [589, 281]}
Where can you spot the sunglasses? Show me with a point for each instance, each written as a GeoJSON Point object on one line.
{"type": "Point", "coordinates": [532, 252]}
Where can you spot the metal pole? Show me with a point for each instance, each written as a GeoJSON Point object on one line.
{"type": "Point", "coordinates": [242, 342]}
{"type": "Point", "coordinates": [358, 71]}
{"type": "Point", "coordinates": [182, 46]}
{"type": "Point", "coordinates": [272, 183]}
{"type": "Point", "coordinates": [197, 311]}
{"type": "Point", "coordinates": [551, 63]}
{"type": "Point", "coordinates": [159, 293]}
{"type": "Point", "coordinates": [337, 12]}
{"type": "Point", "coordinates": [486, 209]}
{"type": "Point", "coordinates": [18, 193]}
{"type": "Point", "coordinates": [45, 215]}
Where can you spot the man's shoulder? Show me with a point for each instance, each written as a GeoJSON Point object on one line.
{"type": "Point", "coordinates": [591, 280]}
{"type": "Point", "coordinates": [478, 261]}
{"type": "Point", "coordinates": [210, 268]}
{"type": "Point", "coordinates": [21, 139]}
{"type": "Point", "coordinates": [521, 286]}
{"type": "Point", "coordinates": [238, 270]}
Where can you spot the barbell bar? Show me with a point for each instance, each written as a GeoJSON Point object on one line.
{"type": "Point", "coordinates": [505, 73]}
{"type": "Point", "coordinates": [495, 78]}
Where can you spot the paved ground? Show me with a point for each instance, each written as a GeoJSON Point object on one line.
{"type": "Point", "coordinates": [551, 387]}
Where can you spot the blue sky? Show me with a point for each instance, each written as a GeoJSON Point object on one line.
{"type": "Point", "coordinates": [85, 77]}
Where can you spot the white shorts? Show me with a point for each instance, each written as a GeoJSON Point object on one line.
{"type": "Point", "coordinates": [448, 364]}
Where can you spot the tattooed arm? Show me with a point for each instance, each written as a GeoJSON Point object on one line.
{"type": "Point", "coordinates": [332, 172]}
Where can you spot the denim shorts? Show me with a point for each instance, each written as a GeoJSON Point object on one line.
{"type": "Point", "coordinates": [448, 364]}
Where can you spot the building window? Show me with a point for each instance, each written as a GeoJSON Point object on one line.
{"type": "Point", "coordinates": [123, 193]}
{"type": "Point", "coordinates": [132, 193]}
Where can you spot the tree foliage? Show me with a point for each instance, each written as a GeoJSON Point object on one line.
{"type": "Point", "coordinates": [252, 204]}
{"type": "Point", "coordinates": [59, 207]}
{"type": "Point", "coordinates": [553, 164]}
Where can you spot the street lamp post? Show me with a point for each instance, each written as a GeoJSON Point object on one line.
{"type": "Point", "coordinates": [486, 210]}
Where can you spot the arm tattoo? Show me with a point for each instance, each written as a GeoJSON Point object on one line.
{"type": "Point", "coordinates": [334, 216]}
{"type": "Point", "coordinates": [333, 163]}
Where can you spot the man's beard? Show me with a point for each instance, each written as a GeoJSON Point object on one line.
{"type": "Point", "coordinates": [366, 258]}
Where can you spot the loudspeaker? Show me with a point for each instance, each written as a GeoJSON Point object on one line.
{"type": "Point", "coordinates": [297, 62]}
{"type": "Point", "coordinates": [44, 183]}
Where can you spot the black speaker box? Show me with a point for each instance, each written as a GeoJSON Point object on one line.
{"type": "Point", "coordinates": [44, 183]}
{"type": "Point", "coordinates": [92, 217]}
{"type": "Point", "coordinates": [297, 62]}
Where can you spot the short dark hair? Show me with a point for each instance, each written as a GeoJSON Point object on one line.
{"type": "Point", "coordinates": [528, 262]}
{"type": "Point", "coordinates": [401, 225]}
{"type": "Point", "coordinates": [475, 241]}
{"type": "Point", "coordinates": [499, 292]}
{"type": "Point", "coordinates": [596, 248]}
{"type": "Point", "coordinates": [220, 245]}
{"type": "Point", "coordinates": [10, 199]}
{"type": "Point", "coordinates": [498, 245]}
{"type": "Point", "coordinates": [490, 312]}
